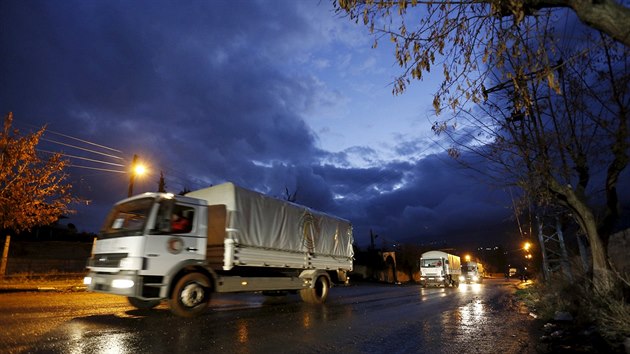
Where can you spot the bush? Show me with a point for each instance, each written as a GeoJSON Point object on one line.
{"type": "Point", "coordinates": [609, 313]}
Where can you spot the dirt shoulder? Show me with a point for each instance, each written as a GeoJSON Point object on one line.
{"type": "Point", "coordinates": [73, 282]}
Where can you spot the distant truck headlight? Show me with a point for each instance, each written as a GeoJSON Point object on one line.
{"type": "Point", "coordinates": [462, 278]}
{"type": "Point", "coordinates": [475, 278]}
{"type": "Point", "coordinates": [122, 283]}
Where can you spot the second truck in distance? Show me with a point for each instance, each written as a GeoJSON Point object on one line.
{"type": "Point", "coordinates": [439, 268]}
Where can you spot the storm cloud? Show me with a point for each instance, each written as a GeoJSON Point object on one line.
{"type": "Point", "coordinates": [212, 91]}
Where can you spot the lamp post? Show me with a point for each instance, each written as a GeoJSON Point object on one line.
{"type": "Point", "coordinates": [137, 169]}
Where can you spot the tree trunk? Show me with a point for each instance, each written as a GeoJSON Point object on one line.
{"type": "Point", "coordinates": [602, 280]}
{"type": "Point", "coordinates": [5, 257]}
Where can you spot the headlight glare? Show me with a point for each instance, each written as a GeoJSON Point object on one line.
{"type": "Point", "coordinates": [122, 283]}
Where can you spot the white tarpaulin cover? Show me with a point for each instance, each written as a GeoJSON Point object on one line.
{"type": "Point", "coordinates": [256, 220]}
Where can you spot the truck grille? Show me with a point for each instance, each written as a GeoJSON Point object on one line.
{"type": "Point", "coordinates": [107, 260]}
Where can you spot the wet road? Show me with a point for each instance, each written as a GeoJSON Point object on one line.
{"type": "Point", "coordinates": [364, 318]}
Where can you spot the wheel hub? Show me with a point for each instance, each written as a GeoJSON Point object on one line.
{"type": "Point", "coordinates": [192, 295]}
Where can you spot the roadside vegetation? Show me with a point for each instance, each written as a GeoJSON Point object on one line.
{"type": "Point", "coordinates": [577, 311]}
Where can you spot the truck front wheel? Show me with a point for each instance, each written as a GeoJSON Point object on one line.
{"type": "Point", "coordinates": [142, 304]}
{"type": "Point", "coordinates": [318, 293]}
{"type": "Point", "coordinates": [191, 295]}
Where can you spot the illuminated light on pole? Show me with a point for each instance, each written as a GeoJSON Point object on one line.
{"type": "Point", "coordinates": [137, 170]}
{"type": "Point", "coordinates": [467, 257]}
{"type": "Point", "coordinates": [527, 246]}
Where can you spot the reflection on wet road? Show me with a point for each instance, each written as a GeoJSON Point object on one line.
{"type": "Point", "coordinates": [365, 318]}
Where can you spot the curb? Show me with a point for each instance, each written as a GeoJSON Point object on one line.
{"type": "Point", "coordinates": [42, 288]}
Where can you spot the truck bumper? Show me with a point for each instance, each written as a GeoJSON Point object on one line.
{"type": "Point", "coordinates": [470, 280]}
{"type": "Point", "coordinates": [122, 283]}
{"type": "Point", "coordinates": [432, 281]}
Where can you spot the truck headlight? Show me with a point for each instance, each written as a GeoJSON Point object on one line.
{"type": "Point", "coordinates": [130, 263]}
{"type": "Point", "coordinates": [475, 278]}
{"type": "Point", "coordinates": [122, 283]}
{"type": "Point", "coordinates": [462, 278]}
{"type": "Point", "coordinates": [87, 280]}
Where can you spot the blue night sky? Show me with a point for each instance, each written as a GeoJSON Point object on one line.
{"type": "Point", "coordinates": [267, 94]}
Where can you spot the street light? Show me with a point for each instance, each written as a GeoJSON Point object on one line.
{"type": "Point", "coordinates": [137, 169]}
{"type": "Point", "coordinates": [467, 257]}
{"type": "Point", "coordinates": [527, 246]}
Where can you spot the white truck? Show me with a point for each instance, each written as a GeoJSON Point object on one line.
{"type": "Point", "coordinates": [234, 240]}
{"type": "Point", "coordinates": [472, 272]}
{"type": "Point", "coordinates": [439, 268]}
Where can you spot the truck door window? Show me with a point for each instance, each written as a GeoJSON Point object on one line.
{"type": "Point", "coordinates": [182, 219]}
{"type": "Point", "coordinates": [173, 218]}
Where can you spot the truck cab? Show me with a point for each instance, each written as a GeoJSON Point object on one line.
{"type": "Point", "coordinates": [471, 273]}
{"type": "Point", "coordinates": [143, 239]}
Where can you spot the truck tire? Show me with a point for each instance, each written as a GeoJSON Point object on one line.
{"type": "Point", "coordinates": [318, 293]}
{"type": "Point", "coordinates": [142, 304]}
{"type": "Point", "coordinates": [191, 295]}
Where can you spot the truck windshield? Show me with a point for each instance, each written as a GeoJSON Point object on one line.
{"type": "Point", "coordinates": [467, 269]}
{"type": "Point", "coordinates": [127, 219]}
{"type": "Point", "coordinates": [430, 263]}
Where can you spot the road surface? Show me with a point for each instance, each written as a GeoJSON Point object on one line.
{"type": "Point", "coordinates": [362, 318]}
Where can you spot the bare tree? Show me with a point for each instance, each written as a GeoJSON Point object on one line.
{"type": "Point", "coordinates": [290, 197]}
{"type": "Point", "coordinates": [556, 139]}
{"type": "Point", "coordinates": [161, 183]}
{"type": "Point", "coordinates": [551, 117]}
{"type": "Point", "coordinates": [32, 191]}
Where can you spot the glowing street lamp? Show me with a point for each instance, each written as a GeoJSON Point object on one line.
{"type": "Point", "coordinates": [527, 246]}
{"type": "Point", "coordinates": [137, 169]}
{"type": "Point", "coordinates": [467, 257]}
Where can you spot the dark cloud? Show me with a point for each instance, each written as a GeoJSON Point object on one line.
{"type": "Point", "coordinates": [204, 92]}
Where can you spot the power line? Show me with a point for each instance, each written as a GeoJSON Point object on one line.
{"type": "Point", "coordinates": [81, 158]}
{"type": "Point", "coordinates": [84, 149]}
{"type": "Point", "coordinates": [97, 168]}
{"type": "Point", "coordinates": [46, 130]}
{"type": "Point", "coordinates": [83, 141]}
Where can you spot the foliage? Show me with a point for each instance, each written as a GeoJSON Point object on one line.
{"type": "Point", "coordinates": [407, 258]}
{"type": "Point", "coordinates": [467, 37]}
{"type": "Point", "coordinates": [32, 191]}
{"type": "Point", "coordinates": [608, 311]}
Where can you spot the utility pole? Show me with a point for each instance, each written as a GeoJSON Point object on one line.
{"type": "Point", "coordinates": [554, 252]}
{"type": "Point", "coordinates": [133, 175]}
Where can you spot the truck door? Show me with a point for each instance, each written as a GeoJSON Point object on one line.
{"type": "Point", "coordinates": [177, 236]}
